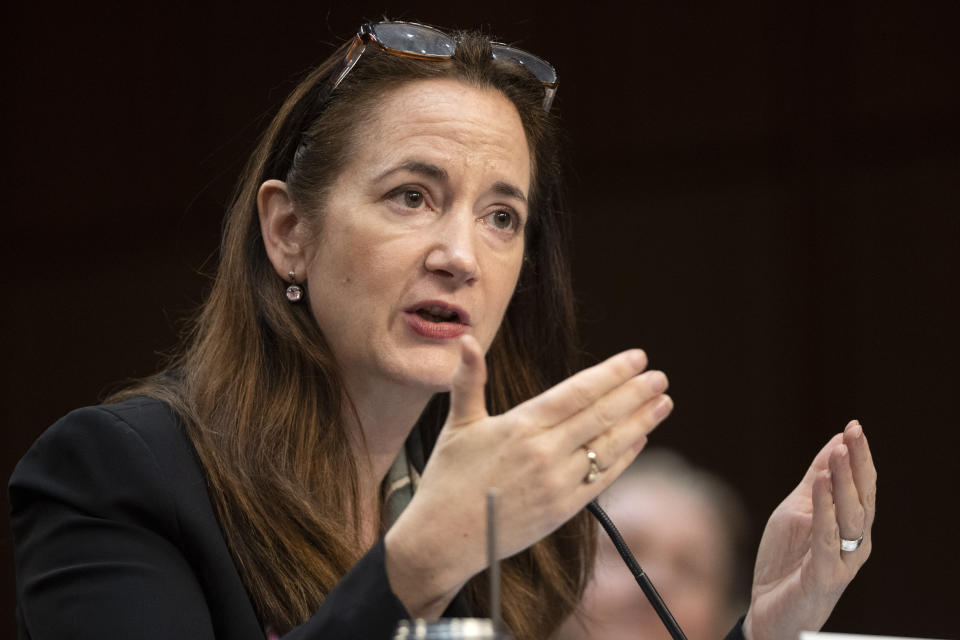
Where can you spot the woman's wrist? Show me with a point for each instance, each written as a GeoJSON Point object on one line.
{"type": "Point", "coordinates": [420, 574]}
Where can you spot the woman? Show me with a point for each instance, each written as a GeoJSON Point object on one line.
{"type": "Point", "coordinates": [399, 219]}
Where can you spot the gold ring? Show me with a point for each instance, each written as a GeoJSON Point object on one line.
{"type": "Point", "coordinates": [594, 471]}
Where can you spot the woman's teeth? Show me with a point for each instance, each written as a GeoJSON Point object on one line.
{"type": "Point", "coordinates": [437, 314]}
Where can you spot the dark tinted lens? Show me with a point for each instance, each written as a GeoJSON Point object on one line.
{"type": "Point", "coordinates": [414, 38]}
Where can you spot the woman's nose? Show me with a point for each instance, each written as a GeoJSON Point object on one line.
{"type": "Point", "coordinates": [453, 254]}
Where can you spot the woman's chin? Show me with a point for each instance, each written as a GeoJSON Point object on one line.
{"type": "Point", "coordinates": [431, 372]}
{"type": "Point", "coordinates": [434, 381]}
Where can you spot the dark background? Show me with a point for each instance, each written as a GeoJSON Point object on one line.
{"type": "Point", "coordinates": [765, 198]}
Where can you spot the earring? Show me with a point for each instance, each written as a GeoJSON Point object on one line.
{"type": "Point", "coordinates": [294, 291]}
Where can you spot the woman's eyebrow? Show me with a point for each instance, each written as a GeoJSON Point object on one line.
{"type": "Point", "coordinates": [507, 189]}
{"type": "Point", "coordinates": [422, 168]}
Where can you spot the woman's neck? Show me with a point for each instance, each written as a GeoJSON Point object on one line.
{"type": "Point", "coordinates": [381, 418]}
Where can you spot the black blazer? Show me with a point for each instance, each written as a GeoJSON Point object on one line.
{"type": "Point", "coordinates": [115, 537]}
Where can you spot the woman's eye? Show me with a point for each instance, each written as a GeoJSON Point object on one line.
{"type": "Point", "coordinates": [503, 220]}
{"type": "Point", "coordinates": [413, 198]}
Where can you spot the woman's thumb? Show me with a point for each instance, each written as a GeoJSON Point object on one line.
{"type": "Point", "coordinates": [467, 402]}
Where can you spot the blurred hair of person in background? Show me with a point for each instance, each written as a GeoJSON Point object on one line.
{"type": "Point", "coordinates": [688, 530]}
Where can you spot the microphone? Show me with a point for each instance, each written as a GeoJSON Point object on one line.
{"type": "Point", "coordinates": [648, 589]}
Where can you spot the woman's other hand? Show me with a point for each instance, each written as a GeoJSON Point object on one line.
{"type": "Point", "coordinates": [536, 457]}
{"type": "Point", "coordinates": [801, 568]}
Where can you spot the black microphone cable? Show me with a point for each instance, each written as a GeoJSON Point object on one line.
{"type": "Point", "coordinates": [648, 589]}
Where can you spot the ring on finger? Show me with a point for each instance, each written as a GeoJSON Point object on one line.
{"type": "Point", "coordinates": [594, 472]}
{"type": "Point", "coordinates": [850, 545]}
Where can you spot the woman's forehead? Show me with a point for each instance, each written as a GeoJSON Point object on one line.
{"type": "Point", "coordinates": [448, 124]}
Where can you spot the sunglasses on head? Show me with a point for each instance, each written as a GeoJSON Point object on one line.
{"type": "Point", "coordinates": [418, 41]}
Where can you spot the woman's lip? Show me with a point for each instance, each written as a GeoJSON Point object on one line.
{"type": "Point", "coordinates": [463, 317]}
{"type": "Point", "coordinates": [434, 330]}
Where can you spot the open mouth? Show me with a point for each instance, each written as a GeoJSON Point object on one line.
{"type": "Point", "coordinates": [437, 320]}
{"type": "Point", "coordinates": [438, 314]}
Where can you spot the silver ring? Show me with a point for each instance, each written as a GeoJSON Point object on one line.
{"type": "Point", "coordinates": [594, 471]}
{"type": "Point", "coordinates": [850, 545]}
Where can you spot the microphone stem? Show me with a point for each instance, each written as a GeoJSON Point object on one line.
{"type": "Point", "coordinates": [493, 561]}
{"type": "Point", "coordinates": [648, 589]}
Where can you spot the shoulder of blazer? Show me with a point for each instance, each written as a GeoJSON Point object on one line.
{"type": "Point", "coordinates": [134, 460]}
{"type": "Point", "coordinates": [122, 453]}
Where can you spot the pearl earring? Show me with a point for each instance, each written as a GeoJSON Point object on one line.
{"type": "Point", "coordinates": [294, 291]}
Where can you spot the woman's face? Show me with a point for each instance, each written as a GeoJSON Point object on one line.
{"type": "Point", "coordinates": [421, 236]}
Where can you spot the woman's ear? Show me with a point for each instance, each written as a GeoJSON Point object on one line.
{"type": "Point", "coordinates": [284, 232]}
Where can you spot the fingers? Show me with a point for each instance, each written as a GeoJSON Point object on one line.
{"type": "Point", "coordinates": [822, 460]}
{"type": "Point", "coordinates": [644, 391]}
{"type": "Point", "coordinates": [583, 389]}
{"type": "Point", "coordinates": [854, 482]}
{"type": "Point", "coordinates": [863, 469]}
{"type": "Point", "coordinates": [629, 434]}
{"type": "Point", "coordinates": [853, 493]}
{"type": "Point", "coordinates": [827, 576]}
{"type": "Point", "coordinates": [825, 538]}
{"type": "Point", "coordinates": [849, 511]}
{"type": "Point", "coordinates": [467, 402]}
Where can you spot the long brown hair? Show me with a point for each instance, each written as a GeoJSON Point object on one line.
{"type": "Point", "coordinates": [260, 393]}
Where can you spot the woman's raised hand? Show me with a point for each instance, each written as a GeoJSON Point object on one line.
{"type": "Point", "coordinates": [535, 455]}
{"type": "Point", "coordinates": [801, 566]}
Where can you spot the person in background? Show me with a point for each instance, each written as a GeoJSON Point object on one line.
{"type": "Point", "coordinates": [687, 529]}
